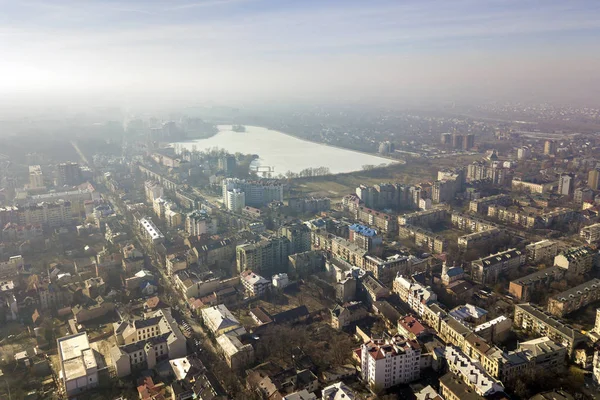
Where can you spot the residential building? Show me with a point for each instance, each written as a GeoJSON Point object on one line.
{"type": "Point", "coordinates": [150, 231]}
{"type": "Point", "coordinates": [487, 270]}
{"type": "Point", "coordinates": [237, 355]}
{"type": "Point", "coordinates": [549, 147]}
{"type": "Point", "coordinates": [68, 173]}
{"type": "Point", "coordinates": [414, 294]}
{"type": "Point", "coordinates": [594, 179]}
{"type": "Point", "coordinates": [387, 269]}
{"type": "Point", "coordinates": [347, 314]}
{"type": "Point", "coordinates": [583, 195]}
{"type": "Point", "coordinates": [541, 251]}
{"type": "Point", "coordinates": [424, 238]}
{"type": "Point", "coordinates": [36, 177]}
{"type": "Point", "coordinates": [385, 222]}
{"type": "Point", "coordinates": [11, 266]}
{"type": "Point", "coordinates": [523, 288]}
{"type": "Point", "coordinates": [576, 260]}
{"type": "Point", "coordinates": [374, 288]}
{"type": "Point", "coordinates": [337, 391]}
{"type": "Point", "coordinates": [596, 367]}
{"type": "Point", "coordinates": [48, 214]}
{"type": "Point", "coordinates": [471, 373]}
{"type": "Point", "coordinates": [452, 331]}
{"type": "Point", "coordinates": [153, 191]}
{"type": "Point", "coordinates": [141, 344]}
{"type": "Point", "coordinates": [566, 184]}
{"type": "Point", "coordinates": [532, 187]}
{"type": "Point", "coordinates": [235, 200]}
{"type": "Point", "coordinates": [310, 205]}
{"type": "Point", "coordinates": [591, 233]}
{"type": "Point", "coordinates": [470, 223]}
{"type": "Point", "coordinates": [299, 236]}
{"type": "Point", "coordinates": [364, 237]}
{"type": "Point", "coordinates": [575, 298]}
{"type": "Point", "coordinates": [390, 362]}
{"type": "Point", "coordinates": [199, 222]}
{"type": "Point", "coordinates": [495, 330]}
{"type": "Point", "coordinates": [425, 218]}
{"type": "Point", "coordinates": [469, 314]}
{"type": "Point", "coordinates": [544, 353]}
{"type": "Point", "coordinates": [280, 281]}
{"type": "Point", "coordinates": [219, 320]}
{"type": "Point", "coordinates": [481, 205]}
{"type": "Point", "coordinates": [78, 364]}
{"type": "Point", "coordinates": [533, 319]}
{"type": "Point", "coordinates": [411, 327]}
{"type": "Point", "coordinates": [300, 395]}
{"type": "Point", "coordinates": [254, 284]}
{"type": "Point", "coordinates": [194, 283]}
{"type": "Point", "coordinates": [269, 256]}
{"type": "Point", "coordinates": [257, 193]}
{"type": "Point", "coordinates": [480, 239]}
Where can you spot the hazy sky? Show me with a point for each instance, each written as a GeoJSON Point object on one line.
{"type": "Point", "coordinates": [231, 50]}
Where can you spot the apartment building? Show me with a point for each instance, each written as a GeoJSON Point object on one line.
{"type": "Point", "coordinates": [532, 187]}
{"type": "Point", "coordinates": [487, 270]}
{"type": "Point", "coordinates": [150, 232]}
{"type": "Point", "coordinates": [347, 314]}
{"type": "Point", "coordinates": [414, 294]}
{"type": "Point", "coordinates": [480, 239]}
{"type": "Point", "coordinates": [424, 238]}
{"type": "Point", "coordinates": [254, 284]}
{"type": "Point", "coordinates": [576, 260]}
{"type": "Point", "coordinates": [575, 298]}
{"type": "Point", "coordinates": [385, 222]}
{"type": "Point", "coordinates": [257, 193]}
{"type": "Point", "coordinates": [387, 269]}
{"type": "Point", "coordinates": [153, 191]}
{"type": "Point", "coordinates": [470, 223]}
{"type": "Point", "coordinates": [49, 214]}
{"type": "Point", "coordinates": [472, 374]}
{"type": "Point", "coordinates": [591, 233]}
{"type": "Point", "coordinates": [268, 256]}
{"type": "Point", "coordinates": [541, 251]}
{"type": "Point", "coordinates": [523, 288]}
{"type": "Point", "coordinates": [533, 319]}
{"type": "Point", "coordinates": [199, 222]}
{"type": "Point", "coordinates": [142, 343]}
{"type": "Point", "coordinates": [390, 362]}
{"type": "Point", "coordinates": [424, 218]}
{"type": "Point", "coordinates": [481, 205]}
{"type": "Point", "coordinates": [237, 355]}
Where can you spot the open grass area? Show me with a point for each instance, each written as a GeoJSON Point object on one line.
{"type": "Point", "coordinates": [414, 171]}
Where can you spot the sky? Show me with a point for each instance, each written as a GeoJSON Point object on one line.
{"type": "Point", "coordinates": [279, 50]}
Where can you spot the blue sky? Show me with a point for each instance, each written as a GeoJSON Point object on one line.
{"type": "Point", "coordinates": [268, 48]}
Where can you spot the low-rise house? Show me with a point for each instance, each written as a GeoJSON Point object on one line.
{"type": "Point", "coordinates": [347, 314]}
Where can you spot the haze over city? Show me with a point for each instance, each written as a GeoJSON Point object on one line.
{"type": "Point", "coordinates": [299, 200]}
{"type": "Point", "coordinates": [256, 50]}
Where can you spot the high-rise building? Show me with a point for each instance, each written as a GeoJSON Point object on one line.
{"type": "Point", "coordinates": [594, 179]}
{"type": "Point", "coordinates": [227, 163]}
{"type": "Point", "coordinates": [446, 138]}
{"type": "Point", "coordinates": [36, 178]}
{"type": "Point", "coordinates": [299, 236]}
{"type": "Point", "coordinates": [549, 147]}
{"type": "Point", "coordinates": [457, 140]}
{"type": "Point", "coordinates": [235, 200]}
{"type": "Point", "coordinates": [68, 173]}
{"type": "Point", "coordinates": [469, 141]}
{"type": "Point", "coordinates": [258, 193]}
{"type": "Point", "coordinates": [566, 184]}
{"type": "Point", "coordinates": [523, 153]}
{"type": "Point", "coordinates": [268, 256]}
{"type": "Point", "coordinates": [583, 195]}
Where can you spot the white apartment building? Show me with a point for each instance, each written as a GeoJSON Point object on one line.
{"type": "Point", "coordinates": [591, 234]}
{"type": "Point", "coordinates": [153, 191]}
{"type": "Point", "coordinates": [235, 200]}
{"type": "Point", "coordinates": [150, 231]}
{"type": "Point", "coordinates": [78, 365]}
{"type": "Point", "coordinates": [254, 284]}
{"type": "Point", "coordinates": [141, 344]}
{"type": "Point", "coordinates": [390, 362]}
{"type": "Point", "coordinates": [413, 294]}
{"type": "Point", "coordinates": [199, 222]}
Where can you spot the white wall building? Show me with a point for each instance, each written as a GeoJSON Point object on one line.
{"type": "Point", "coordinates": [78, 365]}
{"type": "Point", "coordinates": [219, 320]}
{"type": "Point", "coordinates": [254, 284]}
{"type": "Point", "coordinates": [235, 200]}
{"type": "Point", "coordinates": [141, 344]}
{"type": "Point", "coordinates": [281, 280]}
{"type": "Point", "coordinates": [390, 362]}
